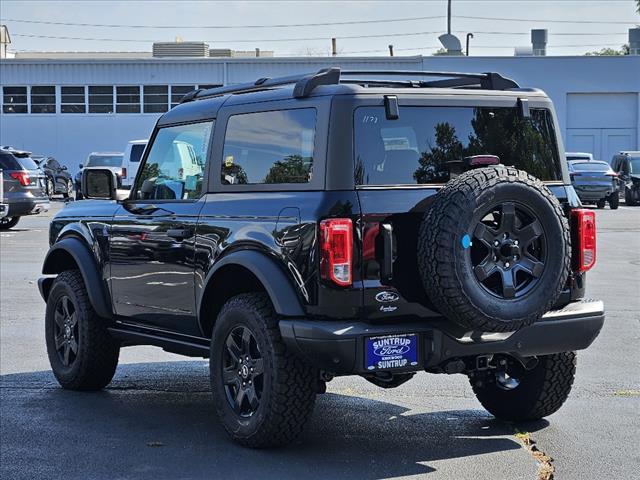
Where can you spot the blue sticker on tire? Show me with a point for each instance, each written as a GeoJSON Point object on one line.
{"type": "Point", "coordinates": [391, 352]}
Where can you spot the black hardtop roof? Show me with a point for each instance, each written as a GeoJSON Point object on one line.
{"type": "Point", "coordinates": [203, 104]}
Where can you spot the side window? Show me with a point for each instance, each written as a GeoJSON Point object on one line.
{"type": "Point", "coordinates": [136, 152]}
{"type": "Point", "coordinates": [269, 147]}
{"type": "Point", "coordinates": [175, 165]}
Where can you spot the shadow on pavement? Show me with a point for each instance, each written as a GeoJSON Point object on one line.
{"type": "Point", "coordinates": [156, 420]}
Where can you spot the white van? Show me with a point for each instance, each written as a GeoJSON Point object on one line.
{"type": "Point", "coordinates": [131, 161]}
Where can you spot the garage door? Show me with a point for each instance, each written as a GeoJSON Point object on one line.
{"type": "Point", "coordinates": [602, 123]}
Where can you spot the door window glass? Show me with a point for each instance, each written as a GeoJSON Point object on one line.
{"type": "Point", "coordinates": [269, 147]}
{"type": "Point", "coordinates": [174, 167]}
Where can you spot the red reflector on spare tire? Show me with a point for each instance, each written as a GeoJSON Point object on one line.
{"type": "Point", "coordinates": [584, 222]}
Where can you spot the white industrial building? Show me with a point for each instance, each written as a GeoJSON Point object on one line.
{"type": "Point", "coordinates": [69, 107]}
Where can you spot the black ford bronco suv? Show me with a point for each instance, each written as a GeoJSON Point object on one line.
{"type": "Point", "coordinates": [371, 223]}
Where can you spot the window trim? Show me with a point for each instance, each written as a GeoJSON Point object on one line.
{"type": "Point", "coordinates": [131, 199]}
{"type": "Point", "coordinates": [320, 104]}
{"type": "Point", "coordinates": [27, 96]}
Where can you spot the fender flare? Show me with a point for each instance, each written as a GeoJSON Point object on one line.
{"type": "Point", "coordinates": [279, 288]}
{"type": "Point", "coordinates": [79, 251]}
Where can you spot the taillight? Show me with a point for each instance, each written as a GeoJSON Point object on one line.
{"type": "Point", "coordinates": [585, 224]}
{"type": "Point", "coordinates": [336, 250]}
{"type": "Point", "coordinates": [22, 177]}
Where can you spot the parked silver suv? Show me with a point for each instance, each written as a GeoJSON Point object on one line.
{"type": "Point", "coordinates": [23, 187]}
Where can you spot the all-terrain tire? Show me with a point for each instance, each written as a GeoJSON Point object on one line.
{"type": "Point", "coordinates": [289, 386]}
{"type": "Point", "coordinates": [95, 362]}
{"type": "Point", "coordinates": [444, 252]}
{"type": "Point", "coordinates": [541, 391]}
{"type": "Point", "coordinates": [614, 201]}
{"type": "Point", "coordinates": [628, 197]}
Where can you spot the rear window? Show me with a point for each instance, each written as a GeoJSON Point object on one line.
{"type": "Point", "coordinates": [27, 163]}
{"type": "Point", "coordinates": [136, 152]}
{"type": "Point", "coordinates": [104, 161]}
{"type": "Point", "coordinates": [634, 164]}
{"type": "Point", "coordinates": [8, 162]}
{"type": "Point", "coordinates": [590, 166]}
{"type": "Point", "coordinates": [428, 145]}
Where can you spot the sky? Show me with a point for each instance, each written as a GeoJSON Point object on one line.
{"type": "Point", "coordinates": [575, 27]}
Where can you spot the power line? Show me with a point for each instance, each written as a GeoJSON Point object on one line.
{"type": "Point", "coordinates": [317, 24]}
{"type": "Point", "coordinates": [346, 37]}
{"type": "Point", "coordinates": [468, 17]}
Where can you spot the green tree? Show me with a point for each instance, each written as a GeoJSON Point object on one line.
{"type": "Point", "coordinates": [291, 169]}
{"type": "Point", "coordinates": [433, 163]}
{"type": "Point", "coordinates": [624, 50]}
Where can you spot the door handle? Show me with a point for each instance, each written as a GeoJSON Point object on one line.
{"type": "Point", "coordinates": [386, 268]}
{"type": "Point", "coordinates": [179, 233]}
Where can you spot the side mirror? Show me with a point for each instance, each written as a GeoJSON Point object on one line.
{"type": "Point", "coordinates": [100, 183]}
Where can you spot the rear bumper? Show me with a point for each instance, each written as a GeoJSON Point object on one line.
{"type": "Point", "coordinates": [338, 347]}
{"type": "Point", "coordinates": [594, 194]}
{"type": "Point", "coordinates": [30, 207]}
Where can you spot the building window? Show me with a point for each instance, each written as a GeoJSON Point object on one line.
{"type": "Point", "coordinates": [269, 147]}
{"type": "Point", "coordinates": [72, 100]}
{"type": "Point", "coordinates": [101, 99]}
{"type": "Point", "coordinates": [156, 98]}
{"type": "Point", "coordinates": [43, 99]}
{"type": "Point", "coordinates": [128, 99]}
{"type": "Point", "coordinates": [14, 99]}
{"type": "Point", "coordinates": [179, 91]}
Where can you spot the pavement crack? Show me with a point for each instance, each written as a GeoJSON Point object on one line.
{"type": "Point", "coordinates": [546, 470]}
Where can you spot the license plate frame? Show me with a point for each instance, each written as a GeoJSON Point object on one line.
{"type": "Point", "coordinates": [392, 352]}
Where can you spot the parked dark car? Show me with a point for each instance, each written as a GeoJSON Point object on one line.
{"type": "Point", "coordinates": [111, 160]}
{"type": "Point", "coordinates": [58, 179]}
{"type": "Point", "coordinates": [595, 182]}
{"type": "Point", "coordinates": [23, 187]}
{"type": "Point", "coordinates": [627, 166]}
{"type": "Point", "coordinates": [338, 223]}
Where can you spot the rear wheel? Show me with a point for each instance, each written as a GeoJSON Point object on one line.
{"type": "Point", "coordinates": [601, 203]}
{"type": "Point", "coordinates": [51, 190]}
{"type": "Point", "coordinates": [528, 394]}
{"type": "Point", "coordinates": [614, 201]}
{"type": "Point", "coordinates": [82, 353]}
{"type": "Point", "coordinates": [263, 394]}
{"type": "Point", "coordinates": [8, 222]}
{"type": "Point", "coordinates": [68, 190]}
{"type": "Point", "coordinates": [494, 250]}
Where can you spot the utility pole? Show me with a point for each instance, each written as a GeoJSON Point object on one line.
{"type": "Point", "coordinates": [391, 50]}
{"type": "Point", "coordinates": [334, 47]}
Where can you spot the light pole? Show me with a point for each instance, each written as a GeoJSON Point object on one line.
{"type": "Point", "coordinates": [469, 35]}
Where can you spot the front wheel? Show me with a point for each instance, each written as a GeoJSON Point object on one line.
{"type": "Point", "coordinates": [518, 394]}
{"type": "Point", "coordinates": [82, 353]}
{"type": "Point", "coordinates": [601, 203]}
{"type": "Point", "coordinates": [8, 222]}
{"type": "Point", "coordinates": [263, 394]}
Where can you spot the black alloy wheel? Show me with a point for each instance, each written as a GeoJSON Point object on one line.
{"type": "Point", "coordinates": [8, 222]}
{"type": "Point", "coordinates": [66, 330]}
{"type": "Point", "coordinates": [242, 371]}
{"type": "Point", "coordinates": [509, 257]}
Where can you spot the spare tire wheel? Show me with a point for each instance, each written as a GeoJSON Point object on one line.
{"type": "Point", "coordinates": [494, 249]}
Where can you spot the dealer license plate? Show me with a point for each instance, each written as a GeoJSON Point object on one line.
{"type": "Point", "coordinates": [391, 352]}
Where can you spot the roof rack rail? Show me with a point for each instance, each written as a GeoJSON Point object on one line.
{"type": "Point", "coordinates": [486, 80]}
{"type": "Point", "coordinates": [305, 84]}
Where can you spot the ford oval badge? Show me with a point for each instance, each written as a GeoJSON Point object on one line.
{"type": "Point", "coordinates": [387, 297]}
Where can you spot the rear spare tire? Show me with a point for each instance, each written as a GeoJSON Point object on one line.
{"type": "Point", "coordinates": [494, 249]}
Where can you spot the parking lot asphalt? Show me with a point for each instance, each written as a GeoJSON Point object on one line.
{"type": "Point", "coordinates": [156, 419]}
